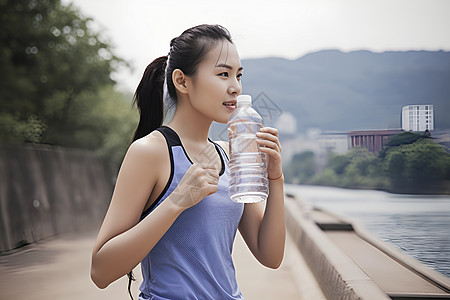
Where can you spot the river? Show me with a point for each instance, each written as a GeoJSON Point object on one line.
{"type": "Point", "coordinates": [418, 225]}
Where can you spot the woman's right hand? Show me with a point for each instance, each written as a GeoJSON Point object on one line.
{"type": "Point", "coordinates": [200, 180]}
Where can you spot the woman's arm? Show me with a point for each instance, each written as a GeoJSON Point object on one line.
{"type": "Point", "coordinates": [263, 228]}
{"type": "Point", "coordinates": [120, 243]}
{"type": "Point", "coordinates": [123, 241]}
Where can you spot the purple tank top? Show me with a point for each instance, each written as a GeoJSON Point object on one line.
{"type": "Point", "coordinates": [193, 258]}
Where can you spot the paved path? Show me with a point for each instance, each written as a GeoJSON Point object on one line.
{"type": "Point", "coordinates": [58, 268]}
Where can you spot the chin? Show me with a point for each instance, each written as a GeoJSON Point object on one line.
{"type": "Point", "coordinates": [222, 120]}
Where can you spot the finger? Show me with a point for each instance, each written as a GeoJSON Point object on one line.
{"type": "Point", "coordinates": [215, 189]}
{"type": "Point", "coordinates": [269, 136]}
{"type": "Point", "coordinates": [213, 173]}
{"type": "Point", "coordinates": [271, 130]}
{"type": "Point", "coordinates": [268, 144]}
{"type": "Point", "coordinates": [206, 166]}
{"type": "Point", "coordinates": [271, 152]}
{"type": "Point", "coordinates": [212, 178]}
{"type": "Point", "coordinates": [208, 175]}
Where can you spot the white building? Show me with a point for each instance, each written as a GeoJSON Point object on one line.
{"type": "Point", "coordinates": [417, 117]}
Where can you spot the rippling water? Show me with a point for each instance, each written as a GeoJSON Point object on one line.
{"type": "Point", "coordinates": [419, 225]}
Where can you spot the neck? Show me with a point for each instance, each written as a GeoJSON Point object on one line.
{"type": "Point", "coordinates": [189, 123]}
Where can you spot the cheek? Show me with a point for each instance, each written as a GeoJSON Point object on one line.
{"type": "Point", "coordinates": [210, 87]}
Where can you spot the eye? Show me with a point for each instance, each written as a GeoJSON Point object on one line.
{"type": "Point", "coordinates": [239, 76]}
{"type": "Point", "coordinates": [225, 74]}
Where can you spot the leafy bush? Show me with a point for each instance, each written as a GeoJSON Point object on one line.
{"type": "Point", "coordinates": [410, 163]}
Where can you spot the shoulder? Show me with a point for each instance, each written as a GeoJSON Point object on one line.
{"type": "Point", "coordinates": [224, 146]}
{"type": "Point", "coordinates": [151, 147]}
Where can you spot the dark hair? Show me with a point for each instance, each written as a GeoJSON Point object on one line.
{"type": "Point", "coordinates": [186, 52]}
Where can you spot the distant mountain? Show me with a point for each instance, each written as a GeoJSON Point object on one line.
{"type": "Point", "coordinates": [333, 90]}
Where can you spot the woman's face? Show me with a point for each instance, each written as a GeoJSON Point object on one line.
{"type": "Point", "coordinates": [217, 82]}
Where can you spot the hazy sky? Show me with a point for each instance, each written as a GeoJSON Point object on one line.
{"type": "Point", "coordinates": [141, 30]}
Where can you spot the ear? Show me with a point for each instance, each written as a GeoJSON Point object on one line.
{"type": "Point", "coordinates": [179, 80]}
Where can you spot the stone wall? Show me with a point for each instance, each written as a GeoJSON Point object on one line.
{"type": "Point", "coordinates": [47, 190]}
{"type": "Point", "coordinates": [337, 275]}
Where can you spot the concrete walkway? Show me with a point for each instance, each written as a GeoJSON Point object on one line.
{"type": "Point", "coordinates": [58, 268]}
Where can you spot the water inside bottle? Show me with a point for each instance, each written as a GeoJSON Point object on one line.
{"type": "Point", "coordinates": [248, 169]}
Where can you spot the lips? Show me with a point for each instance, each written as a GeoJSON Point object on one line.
{"type": "Point", "coordinates": [230, 103]}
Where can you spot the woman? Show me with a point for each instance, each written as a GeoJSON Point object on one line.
{"type": "Point", "coordinates": [170, 208]}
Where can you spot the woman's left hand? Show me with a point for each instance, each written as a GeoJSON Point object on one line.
{"type": "Point", "coordinates": [270, 144]}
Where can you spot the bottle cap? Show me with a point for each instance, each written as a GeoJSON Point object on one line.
{"type": "Point", "coordinates": [244, 99]}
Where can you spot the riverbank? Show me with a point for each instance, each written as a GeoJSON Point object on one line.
{"type": "Point", "coordinates": [350, 263]}
{"type": "Point", "coordinates": [415, 224]}
{"type": "Point", "coordinates": [445, 191]}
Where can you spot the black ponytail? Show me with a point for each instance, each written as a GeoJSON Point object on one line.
{"type": "Point", "coordinates": [149, 101]}
{"type": "Point", "coordinates": [149, 98]}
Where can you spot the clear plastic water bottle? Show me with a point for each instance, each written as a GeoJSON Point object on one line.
{"type": "Point", "coordinates": [248, 168]}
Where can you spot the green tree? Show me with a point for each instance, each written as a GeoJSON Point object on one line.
{"type": "Point", "coordinates": [363, 171]}
{"type": "Point", "coordinates": [395, 170]}
{"type": "Point", "coordinates": [358, 168]}
{"type": "Point", "coordinates": [301, 168]}
{"type": "Point", "coordinates": [114, 129]}
{"type": "Point", "coordinates": [411, 163]}
{"type": "Point", "coordinates": [419, 167]}
{"type": "Point", "coordinates": [404, 138]}
{"type": "Point", "coordinates": [338, 163]}
{"type": "Point", "coordinates": [49, 56]}
{"type": "Point", "coordinates": [327, 177]}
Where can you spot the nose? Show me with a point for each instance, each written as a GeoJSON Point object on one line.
{"type": "Point", "coordinates": [235, 87]}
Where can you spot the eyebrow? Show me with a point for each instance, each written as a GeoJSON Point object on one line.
{"type": "Point", "coordinates": [228, 67]}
